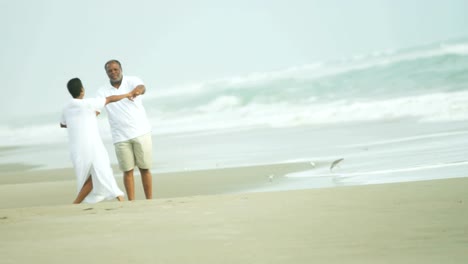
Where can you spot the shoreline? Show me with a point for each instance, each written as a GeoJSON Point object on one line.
{"type": "Point", "coordinates": [29, 188]}
{"type": "Point", "coordinates": [26, 187]}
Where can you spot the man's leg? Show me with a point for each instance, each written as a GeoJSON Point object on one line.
{"type": "Point", "coordinates": [143, 150]}
{"type": "Point", "coordinates": [124, 153]}
{"type": "Point", "coordinates": [85, 190]}
{"type": "Point", "coordinates": [147, 181]}
{"type": "Point", "coordinates": [129, 185]}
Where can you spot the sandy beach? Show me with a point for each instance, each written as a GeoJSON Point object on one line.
{"type": "Point", "coordinates": [204, 217]}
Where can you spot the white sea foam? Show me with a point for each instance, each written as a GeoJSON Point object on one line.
{"type": "Point", "coordinates": [225, 112]}
{"type": "Point", "coordinates": [407, 139]}
{"type": "Point", "coordinates": [35, 134]}
{"type": "Point", "coordinates": [407, 169]}
{"type": "Point", "coordinates": [457, 49]}
{"type": "Point", "coordinates": [402, 174]}
{"type": "Point", "coordinates": [220, 103]}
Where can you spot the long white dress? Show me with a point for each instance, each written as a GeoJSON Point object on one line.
{"type": "Point", "coordinates": [87, 151]}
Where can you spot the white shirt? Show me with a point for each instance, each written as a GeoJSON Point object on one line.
{"type": "Point", "coordinates": [127, 118]}
{"type": "Point", "coordinates": [87, 151]}
{"type": "Point", "coordinates": [79, 115]}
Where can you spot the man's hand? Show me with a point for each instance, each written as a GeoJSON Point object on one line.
{"type": "Point", "coordinates": [139, 90]}
{"type": "Point", "coordinates": [131, 95]}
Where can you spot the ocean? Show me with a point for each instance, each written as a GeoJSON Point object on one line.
{"type": "Point", "coordinates": [393, 115]}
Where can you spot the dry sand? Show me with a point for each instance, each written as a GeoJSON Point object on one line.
{"type": "Point", "coordinates": [208, 222]}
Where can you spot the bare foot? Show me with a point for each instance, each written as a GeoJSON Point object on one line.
{"type": "Point", "coordinates": [120, 198]}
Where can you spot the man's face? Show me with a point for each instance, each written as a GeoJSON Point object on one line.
{"type": "Point", "coordinates": [114, 72]}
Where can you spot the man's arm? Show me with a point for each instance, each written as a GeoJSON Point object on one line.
{"type": "Point", "coordinates": [115, 98]}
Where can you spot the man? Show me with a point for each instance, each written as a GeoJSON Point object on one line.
{"type": "Point", "coordinates": [131, 130]}
{"type": "Point", "coordinates": [95, 179]}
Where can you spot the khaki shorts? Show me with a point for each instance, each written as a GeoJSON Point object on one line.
{"type": "Point", "coordinates": [137, 151]}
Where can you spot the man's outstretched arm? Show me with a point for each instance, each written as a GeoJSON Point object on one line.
{"type": "Point", "coordinates": [115, 98]}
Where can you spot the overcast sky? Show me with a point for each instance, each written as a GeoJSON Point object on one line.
{"type": "Point", "coordinates": [168, 43]}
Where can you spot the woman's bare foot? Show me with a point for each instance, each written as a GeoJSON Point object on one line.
{"type": "Point", "coordinates": [120, 198]}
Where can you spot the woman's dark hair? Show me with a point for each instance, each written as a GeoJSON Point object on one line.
{"type": "Point", "coordinates": [74, 87]}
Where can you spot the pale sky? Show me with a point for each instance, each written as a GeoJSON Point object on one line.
{"type": "Point", "coordinates": [168, 43]}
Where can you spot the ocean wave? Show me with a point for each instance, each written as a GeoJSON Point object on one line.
{"type": "Point", "coordinates": [419, 56]}
{"type": "Point", "coordinates": [228, 112]}
{"type": "Point", "coordinates": [427, 84]}
{"type": "Point", "coordinates": [32, 134]}
{"type": "Point", "coordinates": [220, 103]}
{"type": "Point", "coordinates": [457, 49]}
{"type": "Point", "coordinates": [437, 107]}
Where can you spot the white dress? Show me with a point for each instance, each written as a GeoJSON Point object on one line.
{"type": "Point", "coordinates": [87, 152]}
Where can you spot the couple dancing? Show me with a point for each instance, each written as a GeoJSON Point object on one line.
{"type": "Point", "coordinates": [131, 134]}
